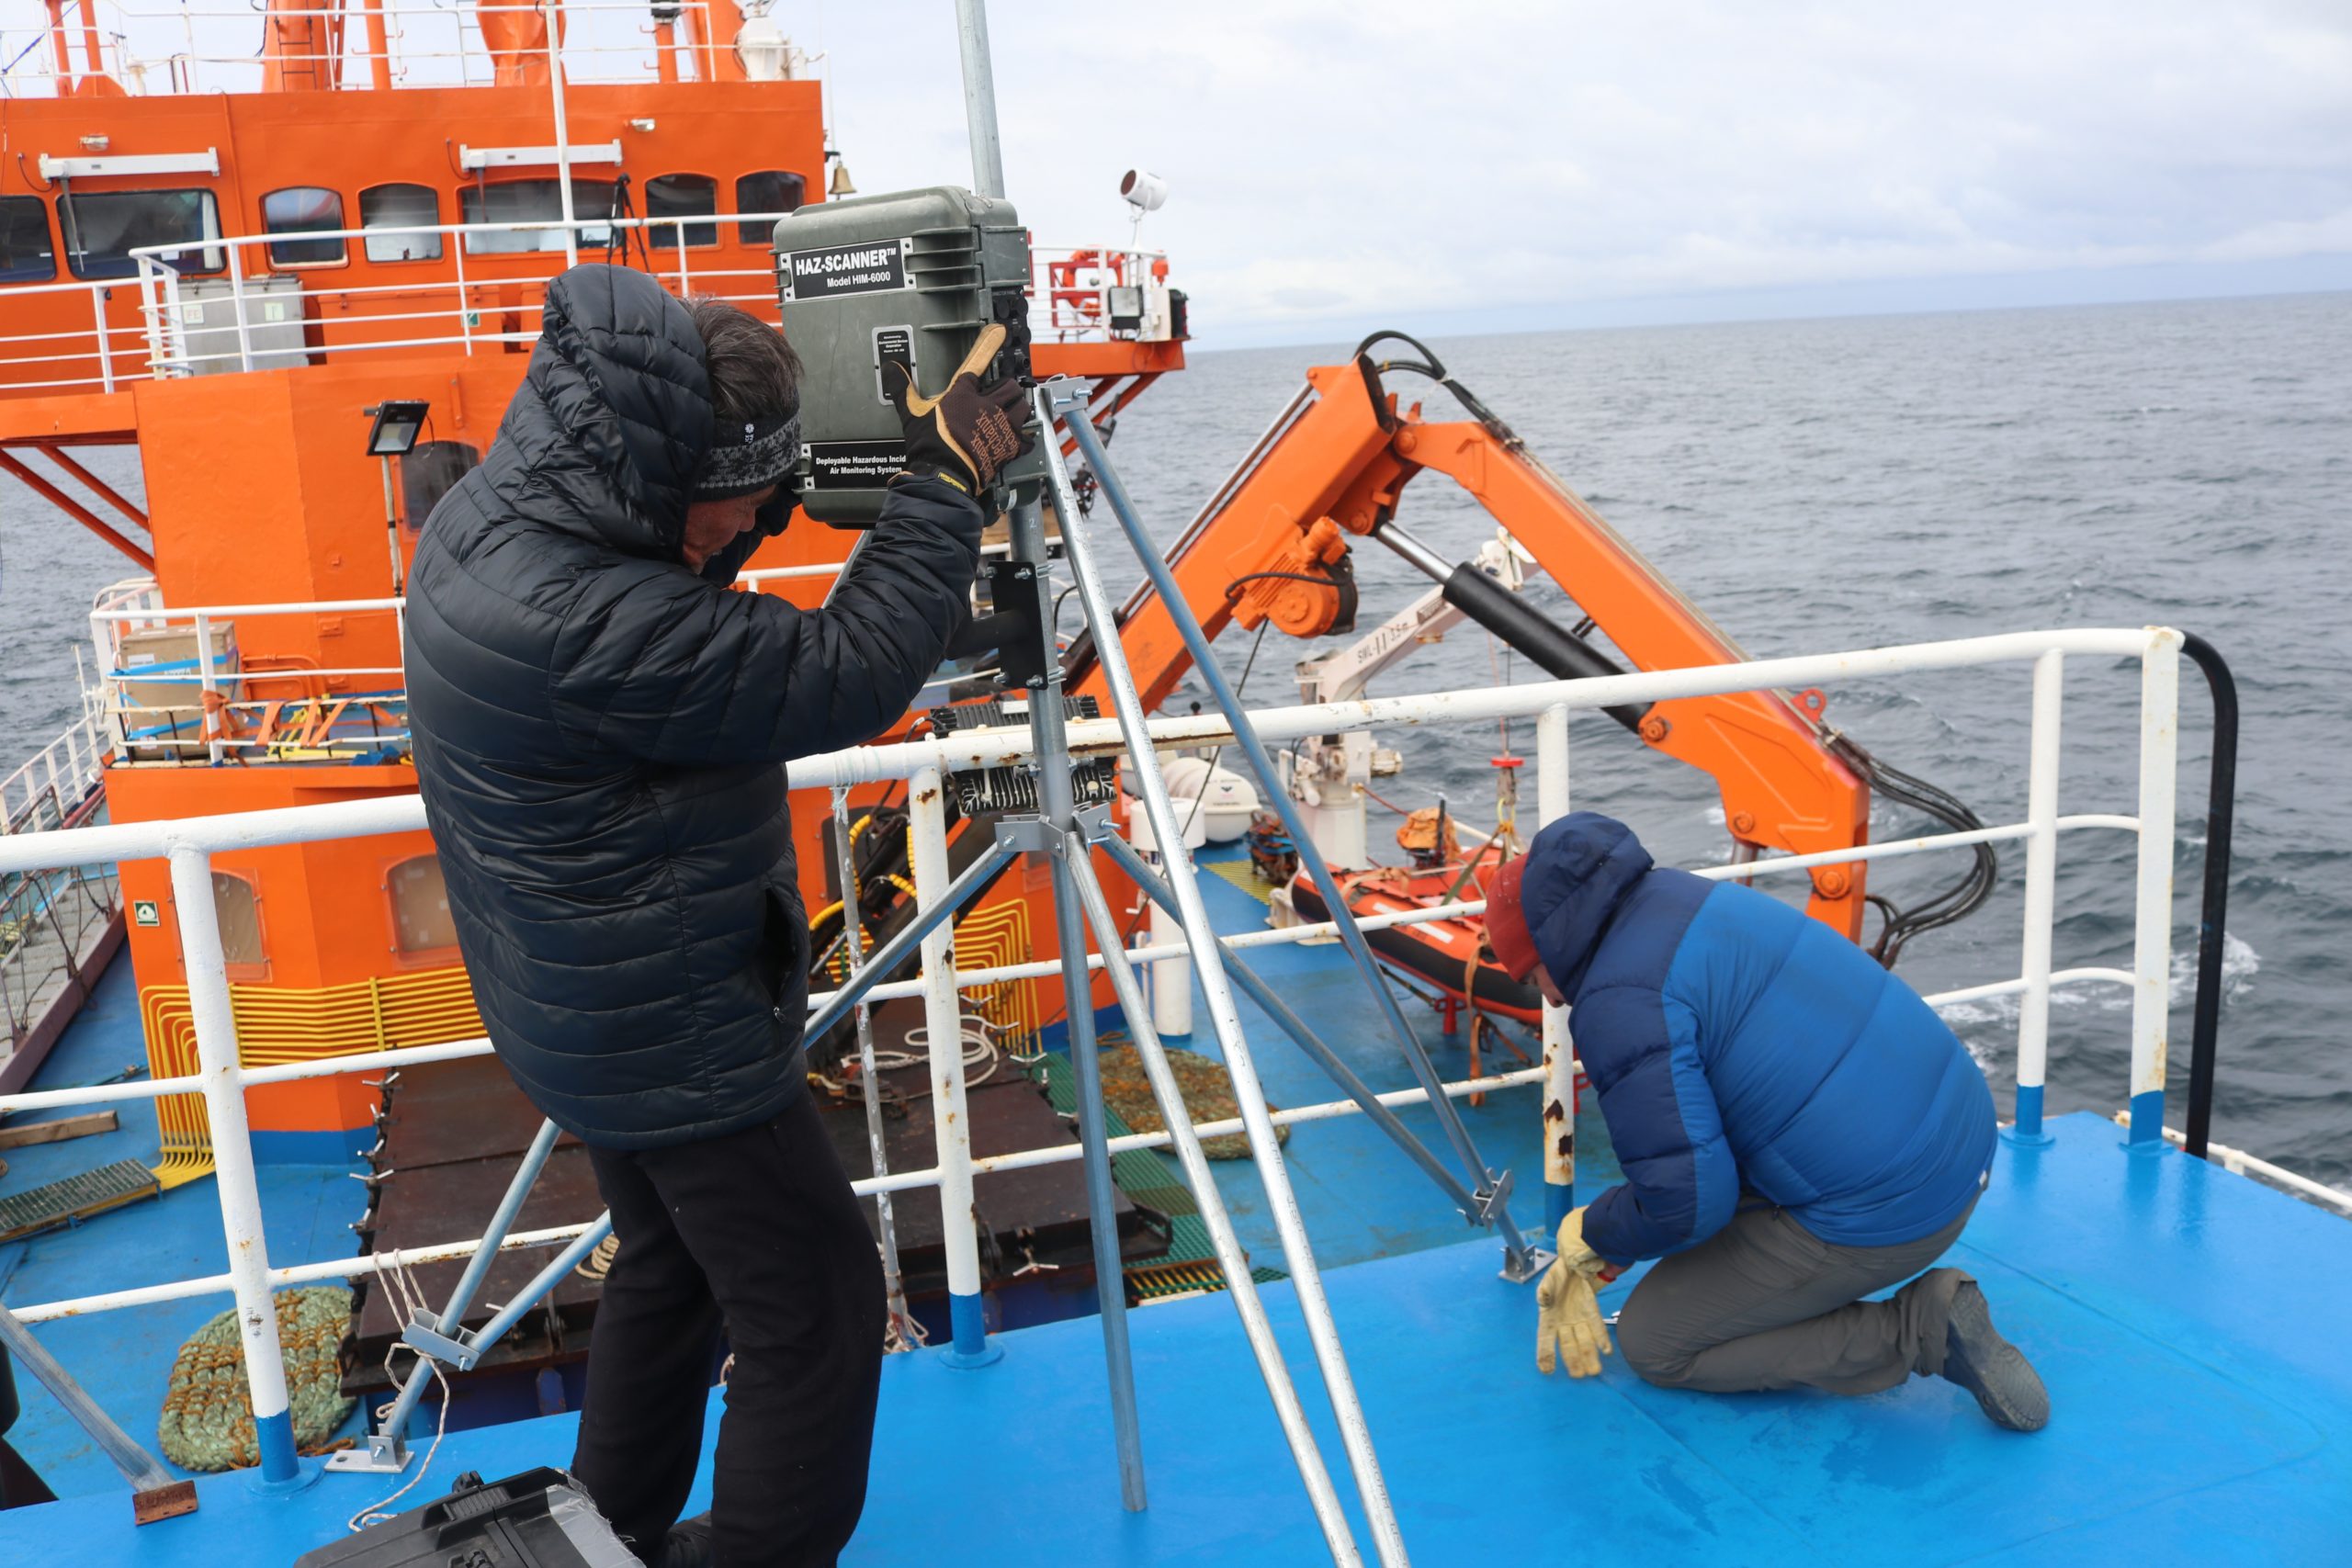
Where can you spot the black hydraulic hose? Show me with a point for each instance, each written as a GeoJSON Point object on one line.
{"type": "Point", "coordinates": [2221, 812]}
{"type": "Point", "coordinates": [1562, 654]}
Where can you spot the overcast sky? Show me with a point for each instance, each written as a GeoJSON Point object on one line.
{"type": "Point", "coordinates": [1339, 161]}
{"type": "Point", "coordinates": [1478, 165]}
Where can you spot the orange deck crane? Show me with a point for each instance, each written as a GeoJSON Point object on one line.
{"type": "Point", "coordinates": [1272, 545]}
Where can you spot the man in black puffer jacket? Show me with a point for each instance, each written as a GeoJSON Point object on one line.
{"type": "Point", "coordinates": [600, 723]}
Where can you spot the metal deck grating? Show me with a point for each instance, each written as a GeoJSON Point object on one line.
{"type": "Point", "coordinates": [1190, 1265]}
{"type": "Point", "coordinates": [75, 1198]}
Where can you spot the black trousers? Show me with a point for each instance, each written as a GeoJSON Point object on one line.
{"type": "Point", "coordinates": [757, 1231]}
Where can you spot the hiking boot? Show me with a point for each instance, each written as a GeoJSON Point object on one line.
{"type": "Point", "coordinates": [689, 1545]}
{"type": "Point", "coordinates": [1995, 1372]}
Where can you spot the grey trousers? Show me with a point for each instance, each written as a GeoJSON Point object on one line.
{"type": "Point", "coordinates": [1764, 1303]}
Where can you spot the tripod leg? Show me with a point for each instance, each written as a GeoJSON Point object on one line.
{"type": "Point", "coordinates": [1196, 643]}
{"type": "Point", "coordinates": [1102, 1198]}
{"type": "Point", "coordinates": [1372, 1488]}
{"type": "Point", "coordinates": [1231, 1258]}
{"type": "Point", "coordinates": [1058, 804]}
{"type": "Point", "coordinates": [915, 934]}
{"type": "Point", "coordinates": [1290, 1023]}
{"type": "Point", "coordinates": [387, 1446]}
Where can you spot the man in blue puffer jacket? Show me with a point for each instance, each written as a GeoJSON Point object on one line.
{"type": "Point", "coordinates": [1796, 1127]}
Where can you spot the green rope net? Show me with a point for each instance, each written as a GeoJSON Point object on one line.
{"type": "Point", "coordinates": [1207, 1091]}
{"type": "Point", "coordinates": [208, 1420]}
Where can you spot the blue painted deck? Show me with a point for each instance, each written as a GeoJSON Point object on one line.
{"type": "Point", "coordinates": [1363, 1199]}
{"type": "Point", "coordinates": [124, 1358]}
{"type": "Point", "coordinates": [2188, 1322]}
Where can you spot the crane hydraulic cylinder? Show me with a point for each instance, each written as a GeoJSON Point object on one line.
{"type": "Point", "coordinates": [1522, 627]}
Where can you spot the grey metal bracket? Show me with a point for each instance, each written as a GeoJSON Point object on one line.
{"type": "Point", "coordinates": [384, 1453]}
{"type": "Point", "coordinates": [1530, 1264]}
{"type": "Point", "coordinates": [1030, 834]}
{"type": "Point", "coordinates": [424, 1335]}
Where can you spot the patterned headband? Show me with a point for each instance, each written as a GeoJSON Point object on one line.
{"type": "Point", "coordinates": [763, 456]}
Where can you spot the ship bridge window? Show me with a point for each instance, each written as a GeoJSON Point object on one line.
{"type": "Point", "coordinates": [420, 924]}
{"type": "Point", "coordinates": [236, 904]}
{"type": "Point", "coordinates": [770, 191]}
{"type": "Point", "coordinates": [681, 195]}
{"type": "Point", "coordinates": [535, 201]}
{"type": "Point", "coordinates": [102, 228]}
{"type": "Point", "coordinates": [303, 210]}
{"type": "Point", "coordinates": [25, 255]}
{"type": "Point", "coordinates": [401, 208]}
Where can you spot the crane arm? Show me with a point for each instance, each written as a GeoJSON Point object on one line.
{"type": "Point", "coordinates": [1274, 545]}
{"type": "Point", "coordinates": [1782, 786]}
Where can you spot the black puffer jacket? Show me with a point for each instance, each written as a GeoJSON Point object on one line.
{"type": "Point", "coordinates": [599, 731]}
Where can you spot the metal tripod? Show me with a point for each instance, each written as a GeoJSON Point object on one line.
{"type": "Point", "coordinates": [1064, 832]}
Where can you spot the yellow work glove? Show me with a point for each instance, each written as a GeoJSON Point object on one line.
{"type": "Point", "coordinates": [1568, 1324]}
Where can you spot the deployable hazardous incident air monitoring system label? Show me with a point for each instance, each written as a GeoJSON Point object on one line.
{"type": "Point", "coordinates": [907, 278]}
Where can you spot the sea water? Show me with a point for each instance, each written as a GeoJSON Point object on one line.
{"type": "Point", "coordinates": [1849, 483]}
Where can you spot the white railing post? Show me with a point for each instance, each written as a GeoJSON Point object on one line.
{"type": "Point", "coordinates": [685, 283]}
{"type": "Point", "coordinates": [551, 11]}
{"type": "Point", "coordinates": [2151, 925]}
{"type": "Point", "coordinates": [237, 300]}
{"type": "Point", "coordinates": [207, 702]}
{"type": "Point", "coordinates": [2041, 891]}
{"type": "Point", "coordinates": [176, 313]}
{"type": "Point", "coordinates": [950, 1112]}
{"type": "Point", "coordinates": [1559, 1050]}
{"type": "Point", "coordinates": [232, 1157]}
{"type": "Point", "coordinates": [151, 310]}
{"type": "Point", "coordinates": [465, 312]}
{"type": "Point", "coordinates": [106, 355]}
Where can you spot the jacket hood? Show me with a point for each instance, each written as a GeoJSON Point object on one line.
{"type": "Point", "coordinates": [614, 415]}
{"type": "Point", "coordinates": [1578, 871]}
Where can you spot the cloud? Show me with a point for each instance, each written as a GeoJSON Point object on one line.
{"type": "Point", "coordinates": [1331, 158]}
{"type": "Point", "coordinates": [1328, 155]}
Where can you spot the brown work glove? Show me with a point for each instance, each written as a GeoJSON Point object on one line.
{"type": "Point", "coordinates": [969, 432]}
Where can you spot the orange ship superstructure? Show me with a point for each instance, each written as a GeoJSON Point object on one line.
{"type": "Point", "coordinates": [235, 283]}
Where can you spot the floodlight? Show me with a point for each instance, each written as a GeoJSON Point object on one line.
{"type": "Point", "coordinates": [398, 421]}
{"type": "Point", "coordinates": [1143, 191]}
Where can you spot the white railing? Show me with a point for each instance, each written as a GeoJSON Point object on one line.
{"type": "Point", "coordinates": [98, 359]}
{"type": "Point", "coordinates": [227, 311]}
{"type": "Point", "coordinates": [209, 713]}
{"type": "Point", "coordinates": [188, 845]}
{"type": "Point", "coordinates": [154, 50]}
{"type": "Point", "coordinates": [48, 920]}
{"type": "Point", "coordinates": [48, 785]}
{"type": "Point", "coordinates": [1092, 293]}
{"type": "Point", "coordinates": [204, 708]}
{"type": "Point", "coordinates": [181, 311]}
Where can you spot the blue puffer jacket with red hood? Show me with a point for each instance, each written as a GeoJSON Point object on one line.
{"type": "Point", "coordinates": [1740, 1048]}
